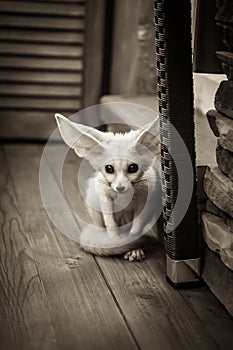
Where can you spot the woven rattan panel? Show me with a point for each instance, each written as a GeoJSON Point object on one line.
{"type": "Point", "coordinates": [175, 95]}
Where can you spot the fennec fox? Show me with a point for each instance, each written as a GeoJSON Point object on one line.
{"type": "Point", "coordinates": [123, 196]}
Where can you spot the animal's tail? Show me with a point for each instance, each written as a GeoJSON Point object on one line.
{"type": "Point", "coordinates": [98, 242]}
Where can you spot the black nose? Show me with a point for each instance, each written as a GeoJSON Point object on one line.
{"type": "Point", "coordinates": [120, 188]}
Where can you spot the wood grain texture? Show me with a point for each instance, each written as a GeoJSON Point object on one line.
{"type": "Point", "coordinates": [86, 302]}
{"type": "Point", "coordinates": [24, 313]}
{"type": "Point", "coordinates": [41, 22]}
{"type": "Point", "coordinates": [22, 35]}
{"type": "Point", "coordinates": [212, 314]}
{"type": "Point", "coordinates": [205, 305]}
{"type": "Point", "coordinates": [81, 307]}
{"type": "Point", "coordinates": [222, 285]}
{"type": "Point", "coordinates": [35, 63]}
{"type": "Point", "coordinates": [40, 77]}
{"type": "Point", "coordinates": [41, 42]}
{"type": "Point", "coordinates": [41, 50]}
{"type": "Point", "coordinates": [219, 189]}
{"type": "Point", "coordinates": [40, 90]}
{"type": "Point", "coordinates": [61, 1]}
{"type": "Point", "coordinates": [154, 311]}
{"type": "Point", "coordinates": [42, 8]}
{"type": "Point", "coordinates": [41, 103]}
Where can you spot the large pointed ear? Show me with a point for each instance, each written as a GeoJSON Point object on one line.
{"type": "Point", "coordinates": [80, 137]}
{"type": "Point", "coordinates": [149, 136]}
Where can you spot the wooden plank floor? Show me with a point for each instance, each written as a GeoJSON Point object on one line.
{"type": "Point", "coordinates": [55, 296]}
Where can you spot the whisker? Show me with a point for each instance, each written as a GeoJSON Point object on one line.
{"type": "Point", "coordinates": [145, 179]}
{"type": "Point", "coordinates": [104, 182]}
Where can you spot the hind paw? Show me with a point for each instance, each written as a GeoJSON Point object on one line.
{"type": "Point", "coordinates": [135, 255]}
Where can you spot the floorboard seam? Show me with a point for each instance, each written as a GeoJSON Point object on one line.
{"type": "Point", "coordinates": [117, 304]}
{"type": "Point", "coordinates": [44, 297]}
{"type": "Point", "coordinates": [190, 307]}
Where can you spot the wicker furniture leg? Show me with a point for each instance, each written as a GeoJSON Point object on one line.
{"type": "Point", "coordinates": [175, 95]}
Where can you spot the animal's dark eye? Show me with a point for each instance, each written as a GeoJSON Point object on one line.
{"type": "Point", "coordinates": [109, 169]}
{"type": "Point", "coordinates": [133, 168]}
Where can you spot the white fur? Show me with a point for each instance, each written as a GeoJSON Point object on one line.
{"type": "Point", "coordinates": [120, 151]}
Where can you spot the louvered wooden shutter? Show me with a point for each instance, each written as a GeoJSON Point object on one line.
{"type": "Point", "coordinates": [41, 64]}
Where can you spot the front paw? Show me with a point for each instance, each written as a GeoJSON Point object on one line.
{"type": "Point", "coordinates": [135, 255]}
